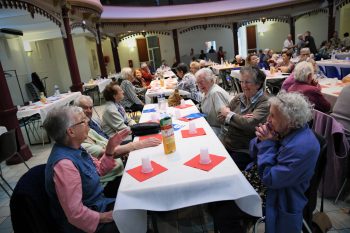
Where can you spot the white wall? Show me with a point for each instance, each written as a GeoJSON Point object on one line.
{"type": "Point", "coordinates": [12, 57]}
{"type": "Point", "coordinates": [242, 41]}
{"type": "Point", "coordinates": [107, 51]}
{"type": "Point", "coordinates": [316, 24]}
{"type": "Point", "coordinates": [196, 39]}
{"type": "Point", "coordinates": [271, 35]}
{"type": "Point", "coordinates": [344, 21]}
{"type": "Point", "coordinates": [127, 50]}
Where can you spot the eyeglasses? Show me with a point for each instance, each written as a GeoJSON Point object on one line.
{"type": "Point", "coordinates": [87, 107]}
{"type": "Point", "coordinates": [246, 82]}
{"type": "Point", "coordinates": [85, 121]}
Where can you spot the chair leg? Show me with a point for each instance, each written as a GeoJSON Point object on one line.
{"type": "Point", "coordinates": [306, 226]}
{"type": "Point", "coordinates": [341, 190]}
{"type": "Point", "coordinates": [8, 194]}
{"type": "Point", "coordinates": [6, 182]}
{"type": "Point", "coordinates": [23, 161]}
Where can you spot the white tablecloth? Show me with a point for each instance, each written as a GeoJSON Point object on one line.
{"type": "Point", "coordinates": [180, 186]}
{"type": "Point", "coordinates": [218, 68]}
{"type": "Point", "coordinates": [275, 76]}
{"type": "Point", "coordinates": [336, 63]}
{"type": "Point", "coordinates": [331, 88]}
{"type": "Point", "coordinates": [342, 56]}
{"type": "Point", "coordinates": [156, 90]}
{"type": "Point", "coordinates": [101, 83]}
{"type": "Point", "coordinates": [43, 109]}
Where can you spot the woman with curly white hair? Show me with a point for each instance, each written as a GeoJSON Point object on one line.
{"type": "Point", "coordinates": [130, 100]}
{"type": "Point", "coordinates": [285, 151]}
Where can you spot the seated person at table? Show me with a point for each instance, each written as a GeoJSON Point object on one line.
{"type": "Point", "coordinates": [304, 56]}
{"type": "Point", "coordinates": [114, 117]}
{"type": "Point", "coordinates": [95, 144]}
{"type": "Point", "coordinates": [146, 74]}
{"type": "Point", "coordinates": [245, 111]}
{"type": "Point", "coordinates": [194, 67]}
{"type": "Point", "coordinates": [286, 66]}
{"type": "Point", "coordinates": [138, 80]}
{"type": "Point", "coordinates": [252, 60]}
{"type": "Point", "coordinates": [285, 152]}
{"type": "Point", "coordinates": [130, 98]}
{"type": "Point", "coordinates": [239, 61]}
{"type": "Point", "coordinates": [214, 98]}
{"type": "Point", "coordinates": [187, 82]}
{"type": "Point", "coordinates": [72, 176]}
{"type": "Point", "coordinates": [308, 86]}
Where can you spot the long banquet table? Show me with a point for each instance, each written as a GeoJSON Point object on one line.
{"type": "Point", "coordinates": [100, 84]}
{"type": "Point", "coordinates": [336, 63]}
{"type": "Point", "coordinates": [167, 89]}
{"type": "Point", "coordinates": [43, 108]}
{"type": "Point", "coordinates": [331, 88]}
{"type": "Point", "coordinates": [180, 186]}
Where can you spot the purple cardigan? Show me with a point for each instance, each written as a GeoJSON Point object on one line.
{"type": "Point", "coordinates": [337, 151]}
{"type": "Point", "coordinates": [313, 93]}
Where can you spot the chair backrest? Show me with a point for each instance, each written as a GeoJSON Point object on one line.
{"type": "Point", "coordinates": [332, 72]}
{"type": "Point", "coordinates": [8, 145]}
{"type": "Point", "coordinates": [311, 192]}
{"type": "Point", "coordinates": [29, 204]}
{"type": "Point", "coordinates": [344, 71]}
{"type": "Point", "coordinates": [32, 91]}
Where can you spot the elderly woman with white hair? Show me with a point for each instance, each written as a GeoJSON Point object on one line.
{"type": "Point", "coordinates": [214, 98]}
{"type": "Point", "coordinates": [285, 153]}
{"type": "Point", "coordinates": [308, 86]}
{"type": "Point", "coordinates": [72, 176]}
{"type": "Point", "coordinates": [130, 100]}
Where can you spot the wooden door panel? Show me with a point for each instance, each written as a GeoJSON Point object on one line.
{"type": "Point", "coordinates": [142, 49]}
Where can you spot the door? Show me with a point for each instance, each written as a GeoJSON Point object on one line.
{"type": "Point", "coordinates": [142, 49]}
{"type": "Point", "coordinates": [251, 39]}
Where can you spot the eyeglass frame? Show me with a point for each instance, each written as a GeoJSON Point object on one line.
{"type": "Point", "coordinates": [85, 121]}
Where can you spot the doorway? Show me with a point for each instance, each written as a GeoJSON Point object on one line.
{"type": "Point", "coordinates": [251, 39]}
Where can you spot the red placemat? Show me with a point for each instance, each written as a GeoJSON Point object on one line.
{"type": "Point", "coordinates": [183, 106]}
{"type": "Point", "coordinates": [138, 175]}
{"type": "Point", "coordinates": [159, 136]}
{"type": "Point", "coordinates": [186, 133]}
{"type": "Point", "coordinates": [215, 160]}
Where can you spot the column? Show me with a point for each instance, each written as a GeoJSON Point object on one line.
{"type": "Point", "coordinates": [8, 118]}
{"type": "Point", "coordinates": [114, 45]}
{"type": "Point", "coordinates": [235, 37]}
{"type": "Point", "coordinates": [101, 61]}
{"type": "Point", "coordinates": [77, 85]}
{"type": "Point", "coordinates": [292, 28]}
{"type": "Point", "coordinates": [176, 45]}
{"type": "Point", "coordinates": [331, 19]}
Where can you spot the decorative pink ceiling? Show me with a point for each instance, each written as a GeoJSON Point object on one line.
{"type": "Point", "coordinates": [138, 14]}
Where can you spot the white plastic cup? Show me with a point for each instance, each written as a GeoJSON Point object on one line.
{"type": "Point", "coordinates": [204, 157]}
{"type": "Point", "coordinates": [69, 91]}
{"type": "Point", "coordinates": [30, 102]}
{"type": "Point", "coordinates": [192, 127]}
{"type": "Point", "coordinates": [177, 114]}
{"type": "Point", "coordinates": [146, 165]}
{"type": "Point", "coordinates": [183, 102]}
{"type": "Point", "coordinates": [18, 107]}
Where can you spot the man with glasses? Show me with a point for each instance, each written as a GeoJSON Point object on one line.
{"type": "Point", "coordinates": [72, 176]}
{"type": "Point", "coordinates": [95, 144]}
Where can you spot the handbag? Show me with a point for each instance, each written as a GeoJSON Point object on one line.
{"type": "Point", "coordinates": [146, 128]}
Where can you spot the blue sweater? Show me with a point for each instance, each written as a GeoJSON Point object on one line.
{"type": "Point", "coordinates": [286, 168]}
